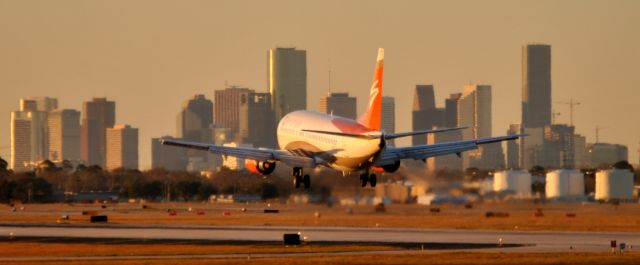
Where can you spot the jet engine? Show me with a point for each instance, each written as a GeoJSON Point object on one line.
{"type": "Point", "coordinates": [260, 167]}
{"type": "Point", "coordinates": [388, 168]}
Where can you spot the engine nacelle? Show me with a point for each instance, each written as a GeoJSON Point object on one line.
{"type": "Point", "coordinates": [260, 167]}
{"type": "Point", "coordinates": [388, 168]}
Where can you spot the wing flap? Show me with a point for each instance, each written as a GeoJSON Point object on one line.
{"type": "Point", "coordinates": [258, 154]}
{"type": "Point", "coordinates": [391, 155]}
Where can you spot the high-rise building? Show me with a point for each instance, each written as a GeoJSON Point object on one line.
{"type": "Point", "coordinates": [425, 115]}
{"type": "Point", "coordinates": [227, 104]}
{"type": "Point", "coordinates": [256, 120]}
{"type": "Point", "coordinates": [195, 120]}
{"type": "Point", "coordinates": [166, 156]}
{"type": "Point", "coordinates": [388, 119]}
{"type": "Point", "coordinates": [29, 132]}
{"type": "Point", "coordinates": [99, 114]}
{"type": "Point", "coordinates": [474, 112]}
{"type": "Point", "coordinates": [536, 85]}
{"type": "Point", "coordinates": [20, 140]}
{"type": "Point", "coordinates": [451, 110]}
{"type": "Point", "coordinates": [64, 134]}
{"type": "Point", "coordinates": [558, 146]}
{"type": "Point", "coordinates": [287, 80]}
{"type": "Point", "coordinates": [532, 148]}
{"type": "Point", "coordinates": [195, 123]}
{"type": "Point", "coordinates": [122, 147]}
{"type": "Point", "coordinates": [513, 147]}
{"type": "Point", "coordinates": [339, 104]}
{"type": "Point", "coordinates": [579, 151]}
{"type": "Point", "coordinates": [447, 162]}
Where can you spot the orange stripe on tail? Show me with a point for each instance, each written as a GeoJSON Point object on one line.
{"type": "Point", "coordinates": [371, 118]}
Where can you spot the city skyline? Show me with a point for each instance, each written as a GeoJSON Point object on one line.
{"type": "Point", "coordinates": [592, 52]}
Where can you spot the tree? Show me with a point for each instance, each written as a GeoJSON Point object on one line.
{"type": "Point", "coordinates": [3, 165]}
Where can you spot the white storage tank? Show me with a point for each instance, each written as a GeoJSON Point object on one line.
{"type": "Point", "coordinates": [614, 184]}
{"type": "Point", "coordinates": [517, 181]}
{"type": "Point", "coordinates": [557, 185]}
{"type": "Point", "coordinates": [564, 183]}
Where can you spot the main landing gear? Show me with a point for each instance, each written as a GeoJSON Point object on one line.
{"type": "Point", "coordinates": [366, 178]}
{"type": "Point", "coordinates": [300, 179]}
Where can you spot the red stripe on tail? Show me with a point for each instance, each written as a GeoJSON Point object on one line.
{"type": "Point", "coordinates": [371, 118]}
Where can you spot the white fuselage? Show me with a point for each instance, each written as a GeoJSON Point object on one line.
{"type": "Point", "coordinates": [342, 153]}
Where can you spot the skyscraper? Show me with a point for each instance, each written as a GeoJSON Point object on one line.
{"type": "Point", "coordinates": [64, 134]}
{"type": "Point", "coordinates": [425, 115]}
{"type": "Point", "coordinates": [536, 85]}
{"type": "Point", "coordinates": [256, 121]}
{"type": "Point", "coordinates": [20, 140]}
{"type": "Point", "coordinates": [166, 156]}
{"type": "Point", "coordinates": [195, 123]}
{"type": "Point", "coordinates": [474, 111]}
{"type": "Point", "coordinates": [388, 119]}
{"type": "Point", "coordinates": [451, 110]}
{"type": "Point", "coordinates": [513, 147]}
{"type": "Point", "coordinates": [29, 131]}
{"type": "Point", "coordinates": [287, 80]}
{"type": "Point", "coordinates": [339, 104]}
{"type": "Point", "coordinates": [227, 108]}
{"type": "Point", "coordinates": [195, 120]}
{"type": "Point", "coordinates": [99, 115]}
{"type": "Point", "coordinates": [122, 147]}
{"type": "Point", "coordinates": [558, 146]}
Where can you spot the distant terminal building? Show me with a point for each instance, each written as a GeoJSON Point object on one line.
{"type": "Point", "coordinates": [339, 104]}
{"type": "Point", "coordinates": [603, 154]}
{"type": "Point", "coordinates": [122, 147]}
{"type": "Point", "coordinates": [234, 163]}
{"type": "Point", "coordinates": [287, 80]}
{"type": "Point", "coordinates": [64, 135]}
{"type": "Point", "coordinates": [99, 114]}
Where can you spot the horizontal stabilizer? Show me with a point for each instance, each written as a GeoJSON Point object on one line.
{"type": "Point", "coordinates": [405, 134]}
{"type": "Point", "coordinates": [354, 135]}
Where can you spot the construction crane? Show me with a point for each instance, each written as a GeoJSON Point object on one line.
{"type": "Point", "coordinates": [571, 104]}
{"type": "Point", "coordinates": [553, 116]}
{"type": "Point", "coordinates": [598, 128]}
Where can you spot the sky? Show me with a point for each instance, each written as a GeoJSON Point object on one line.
{"type": "Point", "coordinates": [152, 55]}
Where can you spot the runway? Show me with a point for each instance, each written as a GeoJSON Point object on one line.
{"type": "Point", "coordinates": [543, 241]}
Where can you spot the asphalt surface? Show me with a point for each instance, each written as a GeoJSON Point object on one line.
{"type": "Point", "coordinates": [539, 241]}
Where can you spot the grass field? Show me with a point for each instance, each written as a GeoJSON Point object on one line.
{"type": "Point", "coordinates": [588, 217]}
{"type": "Point", "coordinates": [418, 258]}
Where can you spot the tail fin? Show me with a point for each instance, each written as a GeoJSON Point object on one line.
{"type": "Point", "coordinates": [371, 118]}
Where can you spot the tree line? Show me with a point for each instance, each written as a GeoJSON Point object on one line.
{"type": "Point", "coordinates": [49, 182]}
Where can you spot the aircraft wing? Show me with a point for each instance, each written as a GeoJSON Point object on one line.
{"type": "Point", "coordinates": [258, 154]}
{"type": "Point", "coordinates": [393, 154]}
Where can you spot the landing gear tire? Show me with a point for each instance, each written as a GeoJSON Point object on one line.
{"type": "Point", "coordinates": [364, 179]}
{"type": "Point", "coordinates": [373, 180]}
{"type": "Point", "coordinates": [297, 177]}
{"type": "Point", "coordinates": [306, 180]}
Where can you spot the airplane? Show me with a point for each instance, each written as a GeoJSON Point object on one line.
{"type": "Point", "coordinates": [310, 139]}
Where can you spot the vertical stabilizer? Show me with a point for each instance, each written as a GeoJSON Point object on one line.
{"type": "Point", "coordinates": [371, 117]}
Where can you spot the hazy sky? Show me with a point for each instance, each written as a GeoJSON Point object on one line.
{"type": "Point", "coordinates": [150, 56]}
